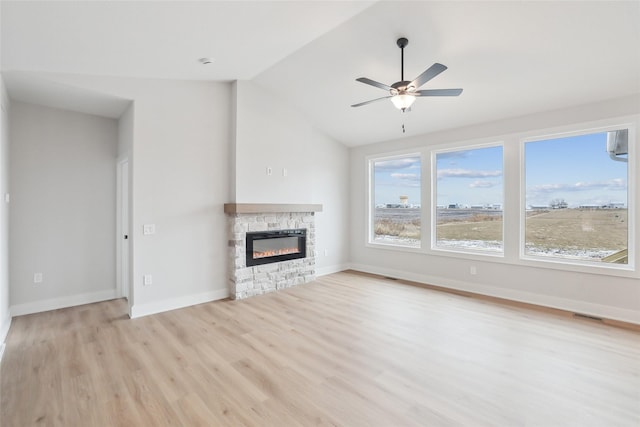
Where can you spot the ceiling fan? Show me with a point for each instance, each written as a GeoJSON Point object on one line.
{"type": "Point", "coordinates": [404, 93]}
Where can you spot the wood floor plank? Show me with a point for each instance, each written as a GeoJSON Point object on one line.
{"type": "Point", "coordinates": [346, 350]}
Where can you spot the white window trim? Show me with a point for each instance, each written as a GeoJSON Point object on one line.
{"type": "Point", "coordinates": [579, 130]}
{"type": "Point", "coordinates": [513, 146]}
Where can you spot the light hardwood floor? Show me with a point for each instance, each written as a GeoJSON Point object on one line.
{"type": "Point", "coordinates": [348, 350]}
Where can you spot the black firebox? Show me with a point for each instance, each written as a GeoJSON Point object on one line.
{"type": "Point", "coordinates": [264, 247]}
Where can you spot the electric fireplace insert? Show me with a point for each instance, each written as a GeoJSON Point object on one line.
{"type": "Point", "coordinates": [265, 247]}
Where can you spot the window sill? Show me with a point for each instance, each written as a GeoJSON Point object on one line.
{"type": "Point", "coordinates": [615, 270]}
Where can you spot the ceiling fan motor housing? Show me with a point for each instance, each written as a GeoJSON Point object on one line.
{"type": "Point", "coordinates": [401, 87]}
{"type": "Point", "coordinates": [402, 42]}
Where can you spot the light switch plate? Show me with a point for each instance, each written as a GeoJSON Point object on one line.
{"type": "Point", "coordinates": [149, 229]}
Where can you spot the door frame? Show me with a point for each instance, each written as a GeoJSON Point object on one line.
{"type": "Point", "coordinates": [123, 246]}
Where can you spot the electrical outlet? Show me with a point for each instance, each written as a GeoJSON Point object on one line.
{"type": "Point", "coordinates": [37, 277]}
{"type": "Point", "coordinates": [148, 229]}
{"type": "Point", "coordinates": [269, 171]}
{"type": "Point", "coordinates": [148, 279]}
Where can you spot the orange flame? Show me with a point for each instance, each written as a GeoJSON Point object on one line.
{"type": "Point", "coordinates": [285, 251]}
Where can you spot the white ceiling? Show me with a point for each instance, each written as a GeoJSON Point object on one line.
{"type": "Point", "coordinates": [511, 58]}
{"type": "Point", "coordinates": [162, 39]}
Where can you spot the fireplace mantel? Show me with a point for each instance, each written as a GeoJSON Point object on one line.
{"type": "Point", "coordinates": [237, 208]}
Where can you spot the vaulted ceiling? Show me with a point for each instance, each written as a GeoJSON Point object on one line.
{"type": "Point", "coordinates": [511, 58]}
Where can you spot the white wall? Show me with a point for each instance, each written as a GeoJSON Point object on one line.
{"type": "Point", "coordinates": [5, 316]}
{"type": "Point", "coordinates": [587, 291]}
{"type": "Point", "coordinates": [62, 207]}
{"type": "Point", "coordinates": [180, 184]}
{"type": "Point", "coordinates": [270, 134]}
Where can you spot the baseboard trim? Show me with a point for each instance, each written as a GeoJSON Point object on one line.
{"type": "Point", "coordinates": [609, 314]}
{"type": "Point", "coordinates": [323, 271]}
{"type": "Point", "coordinates": [62, 302]}
{"type": "Point", "coordinates": [154, 307]}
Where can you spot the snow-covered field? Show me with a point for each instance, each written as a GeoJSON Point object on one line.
{"type": "Point", "coordinates": [396, 240]}
{"type": "Point", "coordinates": [570, 253]}
{"type": "Point", "coordinates": [495, 246]}
{"type": "Point", "coordinates": [571, 234]}
{"type": "Point", "coordinates": [485, 245]}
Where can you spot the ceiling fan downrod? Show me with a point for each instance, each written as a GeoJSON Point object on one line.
{"type": "Point", "coordinates": [402, 43]}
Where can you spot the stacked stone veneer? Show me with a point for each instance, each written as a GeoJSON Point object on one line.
{"type": "Point", "coordinates": [259, 279]}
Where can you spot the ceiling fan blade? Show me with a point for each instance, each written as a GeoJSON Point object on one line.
{"type": "Point", "coordinates": [373, 83]}
{"type": "Point", "coordinates": [369, 102]}
{"type": "Point", "coordinates": [439, 92]}
{"type": "Point", "coordinates": [428, 74]}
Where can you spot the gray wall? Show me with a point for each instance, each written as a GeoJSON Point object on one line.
{"type": "Point", "coordinates": [63, 210]}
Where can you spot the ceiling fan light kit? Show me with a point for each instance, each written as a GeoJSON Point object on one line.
{"type": "Point", "coordinates": [404, 93]}
{"type": "Point", "coordinates": [404, 101]}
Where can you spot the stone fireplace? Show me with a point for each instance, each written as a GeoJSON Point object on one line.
{"type": "Point", "coordinates": [271, 247]}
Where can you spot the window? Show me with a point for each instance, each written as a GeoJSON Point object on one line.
{"type": "Point", "coordinates": [469, 199]}
{"type": "Point", "coordinates": [576, 197]}
{"type": "Point", "coordinates": [573, 200]}
{"type": "Point", "coordinates": [396, 200]}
